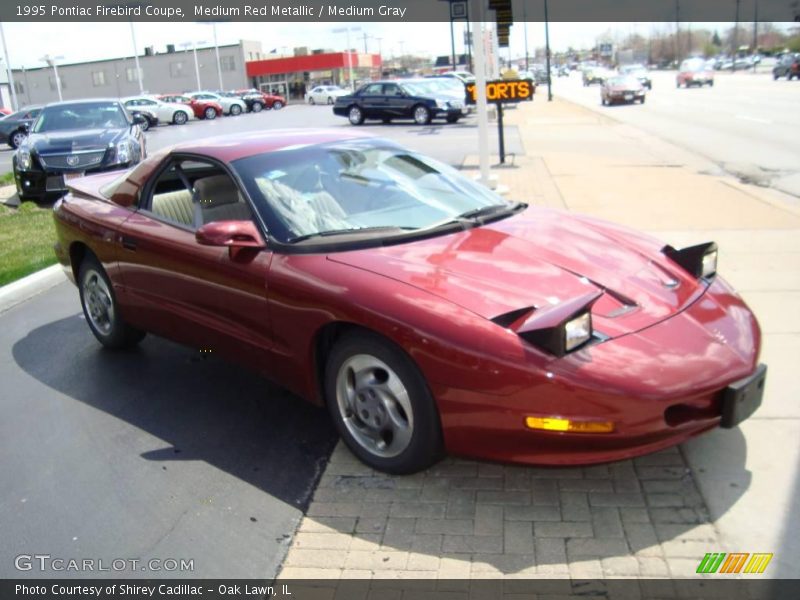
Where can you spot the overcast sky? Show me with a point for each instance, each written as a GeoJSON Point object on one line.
{"type": "Point", "coordinates": [77, 42]}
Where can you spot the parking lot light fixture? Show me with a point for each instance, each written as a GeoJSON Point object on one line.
{"type": "Point", "coordinates": [185, 45]}
{"type": "Point", "coordinates": [347, 31]}
{"type": "Point", "coordinates": [14, 103]}
{"type": "Point", "coordinates": [52, 62]}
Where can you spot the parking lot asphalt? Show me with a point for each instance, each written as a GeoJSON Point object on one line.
{"type": "Point", "coordinates": [155, 453]}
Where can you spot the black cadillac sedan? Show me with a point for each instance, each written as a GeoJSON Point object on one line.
{"type": "Point", "coordinates": [71, 139]}
{"type": "Point", "coordinates": [419, 100]}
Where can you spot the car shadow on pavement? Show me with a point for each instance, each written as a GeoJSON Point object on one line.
{"type": "Point", "coordinates": [203, 408]}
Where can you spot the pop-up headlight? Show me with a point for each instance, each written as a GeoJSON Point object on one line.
{"type": "Point", "coordinates": [699, 260]}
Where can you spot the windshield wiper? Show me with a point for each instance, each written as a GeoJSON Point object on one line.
{"type": "Point", "coordinates": [350, 230]}
{"type": "Point", "coordinates": [484, 211]}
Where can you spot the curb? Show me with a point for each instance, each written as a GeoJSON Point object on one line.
{"type": "Point", "coordinates": [23, 289]}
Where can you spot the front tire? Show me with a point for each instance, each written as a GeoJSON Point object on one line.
{"type": "Point", "coordinates": [381, 405]}
{"type": "Point", "coordinates": [16, 138]}
{"type": "Point", "coordinates": [311, 100]}
{"type": "Point", "coordinates": [179, 118]}
{"type": "Point", "coordinates": [210, 113]}
{"type": "Point", "coordinates": [277, 105]}
{"type": "Point", "coordinates": [422, 116]}
{"type": "Point", "coordinates": [453, 119]}
{"type": "Point", "coordinates": [101, 310]}
{"type": "Point", "coordinates": [355, 115]}
{"type": "Point", "coordinates": [235, 110]}
{"type": "Point", "coordinates": [257, 107]}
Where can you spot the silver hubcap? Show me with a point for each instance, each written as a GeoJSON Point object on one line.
{"type": "Point", "coordinates": [420, 115]}
{"type": "Point", "coordinates": [277, 106]}
{"type": "Point", "coordinates": [210, 113]}
{"type": "Point", "coordinates": [374, 405]}
{"type": "Point", "coordinates": [99, 305]}
{"type": "Point", "coordinates": [355, 115]}
{"type": "Point", "coordinates": [180, 118]}
{"type": "Point", "coordinates": [19, 138]}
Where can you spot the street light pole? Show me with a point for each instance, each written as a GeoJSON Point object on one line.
{"type": "Point", "coordinates": [136, 60]}
{"type": "Point", "coordinates": [735, 38]}
{"type": "Point", "coordinates": [525, 31]}
{"type": "Point", "coordinates": [216, 52]}
{"type": "Point", "coordinates": [196, 64]}
{"type": "Point", "coordinates": [51, 61]}
{"type": "Point", "coordinates": [14, 103]}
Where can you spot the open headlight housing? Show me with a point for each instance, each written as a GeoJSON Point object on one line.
{"type": "Point", "coordinates": [122, 153]}
{"type": "Point", "coordinates": [699, 260]}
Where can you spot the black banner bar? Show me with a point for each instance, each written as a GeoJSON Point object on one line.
{"type": "Point", "coordinates": [391, 11]}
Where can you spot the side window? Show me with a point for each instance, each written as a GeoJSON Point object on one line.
{"type": "Point", "coordinates": [191, 193]}
{"type": "Point", "coordinates": [374, 89]}
{"type": "Point", "coordinates": [391, 89]}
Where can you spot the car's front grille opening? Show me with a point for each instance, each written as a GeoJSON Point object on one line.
{"type": "Point", "coordinates": [680, 414]}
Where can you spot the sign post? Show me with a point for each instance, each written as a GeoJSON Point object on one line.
{"type": "Point", "coordinates": [499, 92]}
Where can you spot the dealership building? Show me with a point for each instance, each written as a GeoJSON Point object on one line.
{"type": "Point", "coordinates": [171, 71]}
{"type": "Point", "coordinates": [304, 70]}
{"type": "Point", "coordinates": [178, 69]}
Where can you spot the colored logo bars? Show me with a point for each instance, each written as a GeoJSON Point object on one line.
{"type": "Point", "coordinates": [735, 562]}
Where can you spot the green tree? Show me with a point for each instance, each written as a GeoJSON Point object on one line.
{"type": "Point", "coordinates": [716, 41]}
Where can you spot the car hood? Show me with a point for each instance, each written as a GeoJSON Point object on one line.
{"type": "Point", "coordinates": [538, 259]}
{"type": "Point", "coordinates": [74, 140]}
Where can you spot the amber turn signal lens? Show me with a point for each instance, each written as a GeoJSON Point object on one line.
{"type": "Point", "coordinates": [561, 424]}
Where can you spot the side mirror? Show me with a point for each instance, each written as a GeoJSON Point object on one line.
{"type": "Point", "coordinates": [139, 119]}
{"type": "Point", "coordinates": [234, 234]}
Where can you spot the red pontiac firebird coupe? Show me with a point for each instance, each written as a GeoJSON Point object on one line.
{"type": "Point", "coordinates": [425, 312]}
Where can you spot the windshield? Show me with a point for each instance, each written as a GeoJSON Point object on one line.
{"type": "Point", "coordinates": [83, 115]}
{"type": "Point", "coordinates": [355, 185]}
{"type": "Point", "coordinates": [420, 88]}
{"type": "Point", "coordinates": [693, 65]}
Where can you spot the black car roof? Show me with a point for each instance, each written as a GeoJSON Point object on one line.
{"type": "Point", "coordinates": [81, 101]}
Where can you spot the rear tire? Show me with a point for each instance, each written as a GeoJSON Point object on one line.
{"type": "Point", "coordinates": [257, 107]}
{"type": "Point", "coordinates": [277, 105]}
{"type": "Point", "coordinates": [179, 118]}
{"type": "Point", "coordinates": [381, 405]}
{"type": "Point", "coordinates": [100, 307]}
{"type": "Point", "coordinates": [210, 113]}
{"type": "Point", "coordinates": [311, 101]}
{"type": "Point", "coordinates": [16, 138]}
{"type": "Point", "coordinates": [235, 110]}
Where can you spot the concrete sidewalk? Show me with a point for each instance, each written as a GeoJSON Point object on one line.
{"type": "Point", "coordinates": [655, 516]}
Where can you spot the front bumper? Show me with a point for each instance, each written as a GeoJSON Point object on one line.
{"type": "Point", "coordinates": [659, 386]}
{"type": "Point", "coordinates": [39, 182]}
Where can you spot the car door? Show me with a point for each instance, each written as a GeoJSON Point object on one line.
{"type": "Point", "coordinates": [204, 296]}
{"type": "Point", "coordinates": [372, 101]}
{"type": "Point", "coordinates": [397, 101]}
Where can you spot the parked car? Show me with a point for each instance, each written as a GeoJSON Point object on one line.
{"type": "Point", "coordinates": [640, 72]}
{"type": "Point", "coordinates": [787, 66]}
{"type": "Point", "coordinates": [463, 76]}
{"type": "Point", "coordinates": [150, 118]}
{"type": "Point", "coordinates": [166, 112]}
{"type": "Point", "coordinates": [70, 139]}
{"type": "Point", "coordinates": [427, 314]}
{"type": "Point", "coordinates": [324, 94]}
{"type": "Point", "coordinates": [622, 89]}
{"type": "Point", "coordinates": [202, 109]}
{"type": "Point", "coordinates": [269, 101]}
{"type": "Point", "coordinates": [694, 71]}
{"type": "Point", "coordinates": [402, 99]}
{"type": "Point", "coordinates": [14, 127]}
{"type": "Point", "coordinates": [230, 106]}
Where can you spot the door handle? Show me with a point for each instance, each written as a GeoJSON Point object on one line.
{"type": "Point", "coordinates": [128, 243]}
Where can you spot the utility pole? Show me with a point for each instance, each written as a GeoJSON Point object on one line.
{"type": "Point", "coordinates": [755, 35]}
{"type": "Point", "coordinates": [547, 54]}
{"type": "Point", "coordinates": [735, 51]}
{"type": "Point", "coordinates": [525, 30]}
{"type": "Point", "coordinates": [136, 60]}
{"type": "Point", "coordinates": [677, 30]}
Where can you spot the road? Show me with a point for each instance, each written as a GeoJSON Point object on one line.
{"type": "Point", "coordinates": [747, 124]}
